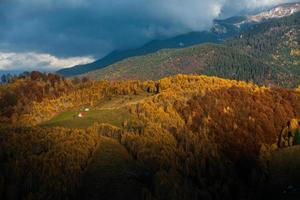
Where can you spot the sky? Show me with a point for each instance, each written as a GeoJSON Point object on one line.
{"type": "Point", "coordinates": [52, 34]}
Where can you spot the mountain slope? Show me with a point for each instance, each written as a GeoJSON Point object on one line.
{"type": "Point", "coordinates": [222, 29]}
{"type": "Point", "coordinates": [276, 43]}
{"type": "Point", "coordinates": [153, 46]}
{"type": "Point", "coordinates": [268, 37]}
{"type": "Point", "coordinates": [209, 59]}
{"type": "Point", "coordinates": [268, 53]}
{"type": "Point", "coordinates": [277, 12]}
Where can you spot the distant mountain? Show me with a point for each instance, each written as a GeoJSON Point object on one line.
{"type": "Point", "coordinates": [252, 38]}
{"type": "Point", "coordinates": [277, 43]}
{"type": "Point", "coordinates": [228, 26]}
{"type": "Point", "coordinates": [277, 12]}
{"type": "Point", "coordinates": [267, 53]}
{"type": "Point", "coordinates": [210, 59]}
{"type": "Point", "coordinates": [153, 46]}
{"type": "Point", "coordinates": [244, 22]}
{"type": "Point", "coordinates": [11, 72]}
{"type": "Point", "coordinates": [221, 30]}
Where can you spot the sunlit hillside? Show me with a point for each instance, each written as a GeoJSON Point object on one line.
{"type": "Point", "coordinates": [181, 137]}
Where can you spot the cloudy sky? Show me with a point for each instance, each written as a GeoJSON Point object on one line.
{"type": "Point", "coordinates": [50, 34]}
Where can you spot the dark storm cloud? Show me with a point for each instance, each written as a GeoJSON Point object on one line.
{"type": "Point", "coordinates": [66, 28]}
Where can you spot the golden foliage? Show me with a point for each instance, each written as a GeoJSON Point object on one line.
{"type": "Point", "coordinates": [33, 105]}
{"type": "Point", "coordinates": [298, 89]}
{"type": "Point", "coordinates": [199, 136]}
{"type": "Point", "coordinates": [213, 130]}
{"type": "Point", "coordinates": [44, 163]}
{"type": "Point", "coordinates": [295, 52]}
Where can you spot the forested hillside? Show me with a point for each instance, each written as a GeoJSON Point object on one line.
{"type": "Point", "coordinates": [218, 133]}
{"type": "Point", "coordinates": [268, 53]}
{"type": "Point", "coordinates": [37, 97]}
{"type": "Point", "coordinates": [221, 30]}
{"type": "Point", "coordinates": [276, 43]}
{"type": "Point", "coordinates": [193, 137]}
{"type": "Point", "coordinates": [209, 59]}
{"type": "Point", "coordinates": [180, 41]}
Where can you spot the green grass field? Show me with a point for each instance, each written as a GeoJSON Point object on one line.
{"type": "Point", "coordinates": [70, 119]}
{"type": "Point", "coordinates": [110, 110]}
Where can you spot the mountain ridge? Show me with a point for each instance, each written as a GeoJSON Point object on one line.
{"type": "Point", "coordinates": [276, 12]}
{"type": "Point", "coordinates": [220, 31]}
{"type": "Point", "coordinates": [261, 55]}
{"type": "Point", "coordinates": [210, 59]}
{"type": "Point", "coordinates": [150, 47]}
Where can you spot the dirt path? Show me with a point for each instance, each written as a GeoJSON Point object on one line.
{"type": "Point", "coordinates": [107, 175]}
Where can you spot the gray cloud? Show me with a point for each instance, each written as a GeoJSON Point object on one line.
{"type": "Point", "coordinates": [72, 28]}
{"type": "Point", "coordinates": [44, 62]}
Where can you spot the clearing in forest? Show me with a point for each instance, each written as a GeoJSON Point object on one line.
{"type": "Point", "coordinates": [110, 110]}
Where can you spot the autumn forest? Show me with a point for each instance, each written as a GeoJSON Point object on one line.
{"type": "Point", "coordinates": [191, 137]}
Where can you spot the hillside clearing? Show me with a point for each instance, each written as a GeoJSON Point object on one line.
{"type": "Point", "coordinates": [70, 119]}
{"type": "Point", "coordinates": [111, 110]}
